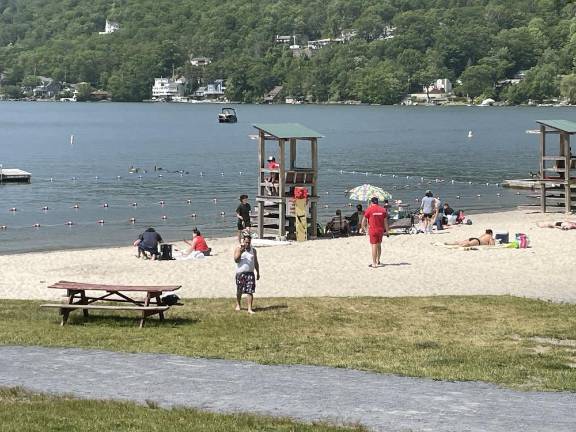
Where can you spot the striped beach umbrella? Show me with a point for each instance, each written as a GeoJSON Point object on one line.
{"type": "Point", "coordinates": [366, 192]}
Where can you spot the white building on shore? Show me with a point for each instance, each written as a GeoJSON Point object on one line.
{"type": "Point", "coordinates": [168, 88]}
{"type": "Point", "coordinates": [110, 27]}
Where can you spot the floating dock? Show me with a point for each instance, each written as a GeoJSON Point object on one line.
{"type": "Point", "coordinates": [13, 175]}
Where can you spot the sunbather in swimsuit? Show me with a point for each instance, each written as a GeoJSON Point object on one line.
{"type": "Point", "coordinates": [566, 225]}
{"type": "Point", "coordinates": [484, 240]}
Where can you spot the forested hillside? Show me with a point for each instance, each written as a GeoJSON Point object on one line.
{"type": "Point", "coordinates": [478, 42]}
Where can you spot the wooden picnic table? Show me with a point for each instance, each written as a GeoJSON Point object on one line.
{"type": "Point", "coordinates": [78, 298]}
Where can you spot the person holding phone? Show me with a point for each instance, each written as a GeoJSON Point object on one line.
{"type": "Point", "coordinates": [246, 261]}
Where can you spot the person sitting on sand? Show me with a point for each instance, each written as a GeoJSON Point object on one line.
{"type": "Point", "coordinates": [198, 244]}
{"type": "Point", "coordinates": [338, 224]}
{"type": "Point", "coordinates": [355, 220]}
{"type": "Point", "coordinates": [485, 239]}
{"type": "Point", "coordinates": [149, 241]}
{"type": "Point", "coordinates": [566, 225]}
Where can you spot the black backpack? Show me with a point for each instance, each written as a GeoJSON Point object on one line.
{"type": "Point", "coordinates": [166, 252]}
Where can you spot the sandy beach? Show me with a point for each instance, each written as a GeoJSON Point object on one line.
{"type": "Point", "coordinates": [413, 266]}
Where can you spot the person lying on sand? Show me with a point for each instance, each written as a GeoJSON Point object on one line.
{"type": "Point", "coordinates": [484, 240]}
{"type": "Point", "coordinates": [566, 225]}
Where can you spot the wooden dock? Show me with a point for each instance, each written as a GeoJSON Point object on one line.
{"type": "Point", "coordinates": [13, 175]}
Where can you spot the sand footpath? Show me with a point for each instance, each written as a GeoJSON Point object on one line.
{"type": "Point", "coordinates": [414, 266]}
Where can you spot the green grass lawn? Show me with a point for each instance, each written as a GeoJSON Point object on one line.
{"type": "Point", "coordinates": [23, 411]}
{"type": "Point", "coordinates": [520, 343]}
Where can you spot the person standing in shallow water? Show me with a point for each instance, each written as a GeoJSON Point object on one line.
{"type": "Point", "coordinates": [243, 216]}
{"type": "Point", "coordinates": [246, 261]}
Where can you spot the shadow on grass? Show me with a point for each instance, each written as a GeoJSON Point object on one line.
{"type": "Point", "coordinates": [270, 308]}
{"type": "Point", "coordinates": [127, 321]}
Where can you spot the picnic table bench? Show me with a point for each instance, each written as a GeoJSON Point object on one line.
{"type": "Point", "coordinates": [78, 298]}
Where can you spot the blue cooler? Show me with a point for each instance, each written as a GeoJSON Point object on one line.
{"type": "Point", "coordinates": [502, 236]}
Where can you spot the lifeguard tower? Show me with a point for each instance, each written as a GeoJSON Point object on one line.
{"type": "Point", "coordinates": [276, 216]}
{"type": "Point", "coordinates": [556, 167]}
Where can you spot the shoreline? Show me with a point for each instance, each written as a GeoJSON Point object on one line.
{"type": "Point", "coordinates": [413, 266]}
{"type": "Point", "coordinates": [212, 238]}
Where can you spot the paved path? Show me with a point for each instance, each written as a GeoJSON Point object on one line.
{"type": "Point", "coordinates": [381, 402]}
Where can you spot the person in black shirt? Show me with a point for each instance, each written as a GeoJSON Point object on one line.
{"type": "Point", "coordinates": [243, 215]}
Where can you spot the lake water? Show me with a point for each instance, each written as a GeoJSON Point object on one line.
{"type": "Point", "coordinates": [413, 148]}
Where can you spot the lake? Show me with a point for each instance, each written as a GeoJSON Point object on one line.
{"type": "Point", "coordinates": [405, 150]}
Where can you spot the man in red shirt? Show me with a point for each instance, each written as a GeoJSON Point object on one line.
{"type": "Point", "coordinates": [376, 218]}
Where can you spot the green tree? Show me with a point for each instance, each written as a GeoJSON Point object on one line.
{"type": "Point", "coordinates": [568, 88]}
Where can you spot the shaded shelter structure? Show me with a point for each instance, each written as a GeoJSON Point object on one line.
{"type": "Point", "coordinates": [294, 167]}
{"type": "Point", "coordinates": [557, 163]}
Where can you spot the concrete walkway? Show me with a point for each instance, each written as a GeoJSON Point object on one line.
{"type": "Point", "coordinates": [381, 402]}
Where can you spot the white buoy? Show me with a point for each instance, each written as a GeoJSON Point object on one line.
{"type": "Point", "coordinates": [470, 135]}
{"type": "Point", "coordinates": [72, 139]}
{"type": "Point", "coordinates": [452, 181]}
{"type": "Point", "coordinates": [96, 177]}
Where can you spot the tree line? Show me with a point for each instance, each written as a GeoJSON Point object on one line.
{"type": "Point", "coordinates": [477, 44]}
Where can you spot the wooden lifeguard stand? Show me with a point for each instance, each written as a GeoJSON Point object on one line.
{"type": "Point", "coordinates": [272, 206]}
{"type": "Point", "coordinates": [556, 167]}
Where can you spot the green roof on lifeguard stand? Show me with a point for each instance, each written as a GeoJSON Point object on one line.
{"type": "Point", "coordinates": [287, 130]}
{"type": "Point", "coordinates": [561, 125]}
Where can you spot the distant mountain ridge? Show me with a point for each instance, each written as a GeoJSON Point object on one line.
{"type": "Point", "coordinates": [334, 50]}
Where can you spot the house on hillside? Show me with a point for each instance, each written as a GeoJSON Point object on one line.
{"type": "Point", "coordinates": [110, 27]}
{"type": "Point", "coordinates": [200, 61]}
{"type": "Point", "coordinates": [167, 88]}
{"type": "Point", "coordinates": [213, 91]}
{"type": "Point", "coordinates": [283, 39]}
{"type": "Point", "coordinates": [47, 89]}
{"type": "Point", "coordinates": [436, 93]}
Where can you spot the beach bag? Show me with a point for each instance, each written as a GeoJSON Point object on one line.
{"type": "Point", "coordinates": [170, 299]}
{"type": "Point", "coordinates": [300, 193]}
{"type": "Point", "coordinates": [166, 252]}
{"type": "Point", "coordinates": [522, 240]}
